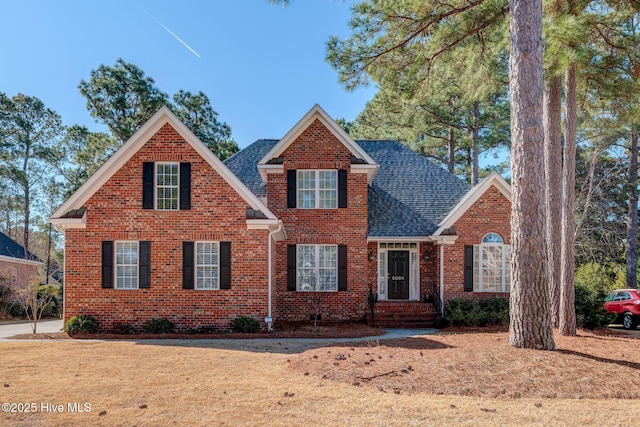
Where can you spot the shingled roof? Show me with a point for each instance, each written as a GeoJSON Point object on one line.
{"type": "Point", "coordinates": [10, 248]}
{"type": "Point", "coordinates": [409, 196]}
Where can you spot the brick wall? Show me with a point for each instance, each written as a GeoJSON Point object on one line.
{"type": "Point", "coordinates": [115, 212]}
{"type": "Point", "coordinates": [318, 148]}
{"type": "Point", "coordinates": [490, 213]}
{"type": "Point", "coordinates": [23, 276]}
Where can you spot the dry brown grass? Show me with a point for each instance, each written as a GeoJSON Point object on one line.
{"type": "Point", "coordinates": [199, 383]}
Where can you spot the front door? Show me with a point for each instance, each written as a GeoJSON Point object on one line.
{"type": "Point", "coordinates": [398, 274]}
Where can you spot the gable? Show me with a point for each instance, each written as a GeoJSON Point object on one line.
{"type": "Point", "coordinates": [317, 118]}
{"type": "Point", "coordinates": [493, 186]}
{"type": "Point", "coordinates": [163, 121]}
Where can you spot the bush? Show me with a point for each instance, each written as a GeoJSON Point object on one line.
{"type": "Point", "coordinates": [159, 325]}
{"type": "Point", "coordinates": [86, 324]}
{"type": "Point", "coordinates": [245, 324]}
{"type": "Point", "coordinates": [477, 312]}
{"type": "Point", "coordinates": [589, 311]}
{"type": "Point", "coordinates": [601, 278]}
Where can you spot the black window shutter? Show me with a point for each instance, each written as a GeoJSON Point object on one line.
{"type": "Point", "coordinates": [185, 186]}
{"type": "Point", "coordinates": [107, 264]}
{"type": "Point", "coordinates": [291, 188]}
{"type": "Point", "coordinates": [144, 265]}
{"type": "Point", "coordinates": [291, 268]}
{"type": "Point", "coordinates": [225, 265]}
{"type": "Point", "coordinates": [342, 267]}
{"type": "Point", "coordinates": [187, 265]}
{"type": "Point", "coordinates": [342, 188]}
{"type": "Point", "coordinates": [468, 268]}
{"type": "Point", "coordinates": [147, 185]}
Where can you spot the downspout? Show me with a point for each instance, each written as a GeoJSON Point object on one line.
{"type": "Point", "coordinates": [442, 276]}
{"type": "Point", "coordinates": [269, 320]}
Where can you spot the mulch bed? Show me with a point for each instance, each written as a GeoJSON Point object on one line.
{"type": "Point", "coordinates": [290, 330]}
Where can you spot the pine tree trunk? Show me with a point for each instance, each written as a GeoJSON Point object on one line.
{"type": "Point", "coordinates": [553, 175]}
{"type": "Point", "coordinates": [475, 143]}
{"type": "Point", "coordinates": [530, 325]}
{"type": "Point", "coordinates": [567, 322]}
{"type": "Point", "coordinates": [632, 216]}
{"type": "Point", "coordinates": [452, 151]}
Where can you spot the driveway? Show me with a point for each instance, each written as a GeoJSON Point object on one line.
{"type": "Point", "coordinates": [44, 326]}
{"type": "Point", "coordinates": [631, 332]}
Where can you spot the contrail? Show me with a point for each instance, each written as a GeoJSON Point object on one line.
{"type": "Point", "coordinates": [168, 30]}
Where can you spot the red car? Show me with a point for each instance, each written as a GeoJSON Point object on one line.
{"type": "Point", "coordinates": [626, 304]}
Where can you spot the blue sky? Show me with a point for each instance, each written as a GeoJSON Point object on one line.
{"type": "Point", "coordinates": [261, 65]}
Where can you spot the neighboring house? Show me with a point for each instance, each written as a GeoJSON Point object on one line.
{"type": "Point", "coordinates": [314, 220]}
{"type": "Point", "coordinates": [17, 265]}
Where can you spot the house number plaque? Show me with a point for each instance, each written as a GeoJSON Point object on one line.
{"type": "Point", "coordinates": [397, 277]}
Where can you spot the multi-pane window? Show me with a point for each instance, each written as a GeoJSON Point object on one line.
{"type": "Point", "coordinates": [207, 265]}
{"type": "Point", "coordinates": [317, 268]}
{"type": "Point", "coordinates": [317, 189]}
{"type": "Point", "coordinates": [491, 265]}
{"type": "Point", "coordinates": [167, 186]}
{"type": "Point", "coordinates": [126, 265]}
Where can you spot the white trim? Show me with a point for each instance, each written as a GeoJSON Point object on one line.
{"type": "Point", "coordinates": [316, 112]}
{"type": "Point", "coordinates": [316, 189]}
{"type": "Point", "coordinates": [115, 265]}
{"type": "Point", "coordinates": [317, 268]}
{"type": "Point", "coordinates": [195, 265]}
{"type": "Point", "coordinates": [6, 258]}
{"type": "Point", "coordinates": [414, 277]}
{"type": "Point", "coordinates": [62, 224]}
{"type": "Point", "coordinates": [135, 143]}
{"type": "Point", "coordinates": [494, 179]}
{"type": "Point", "coordinates": [156, 186]}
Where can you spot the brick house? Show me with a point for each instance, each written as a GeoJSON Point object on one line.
{"type": "Point", "coordinates": [313, 221]}
{"type": "Point", "coordinates": [17, 265]}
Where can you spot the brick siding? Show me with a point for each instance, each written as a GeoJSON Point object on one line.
{"type": "Point", "coordinates": [217, 213]}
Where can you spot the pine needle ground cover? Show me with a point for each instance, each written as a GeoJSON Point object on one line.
{"type": "Point", "coordinates": [446, 379]}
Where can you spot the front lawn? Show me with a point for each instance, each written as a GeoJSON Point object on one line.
{"type": "Point", "coordinates": [447, 379]}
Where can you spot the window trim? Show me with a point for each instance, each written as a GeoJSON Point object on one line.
{"type": "Point", "coordinates": [489, 240]}
{"type": "Point", "coordinates": [156, 186]}
{"type": "Point", "coordinates": [116, 265]}
{"type": "Point", "coordinates": [317, 268]}
{"type": "Point", "coordinates": [317, 189]}
{"type": "Point", "coordinates": [196, 265]}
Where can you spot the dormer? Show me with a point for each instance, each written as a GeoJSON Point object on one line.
{"type": "Point", "coordinates": [360, 161]}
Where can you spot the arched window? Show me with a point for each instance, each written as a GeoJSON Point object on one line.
{"type": "Point", "coordinates": [491, 268]}
{"type": "Point", "coordinates": [492, 238]}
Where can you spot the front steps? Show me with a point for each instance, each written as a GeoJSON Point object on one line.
{"type": "Point", "coordinates": [403, 314]}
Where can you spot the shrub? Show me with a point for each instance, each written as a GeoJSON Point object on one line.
{"type": "Point", "coordinates": [477, 312]}
{"type": "Point", "coordinates": [86, 324]}
{"type": "Point", "coordinates": [159, 325]}
{"type": "Point", "coordinates": [245, 324]}
{"type": "Point", "coordinates": [602, 278]}
{"type": "Point", "coordinates": [589, 311]}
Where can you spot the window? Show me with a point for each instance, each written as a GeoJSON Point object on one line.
{"type": "Point", "coordinates": [207, 265]}
{"type": "Point", "coordinates": [167, 186]}
{"type": "Point", "coordinates": [126, 265]}
{"type": "Point", "coordinates": [491, 265]}
{"type": "Point", "coordinates": [317, 189]}
{"type": "Point", "coordinates": [317, 268]}
{"type": "Point", "coordinates": [14, 277]}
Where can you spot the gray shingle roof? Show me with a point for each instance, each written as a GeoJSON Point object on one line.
{"type": "Point", "coordinates": [409, 196]}
{"type": "Point", "coordinates": [10, 248]}
{"type": "Point", "coordinates": [244, 165]}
